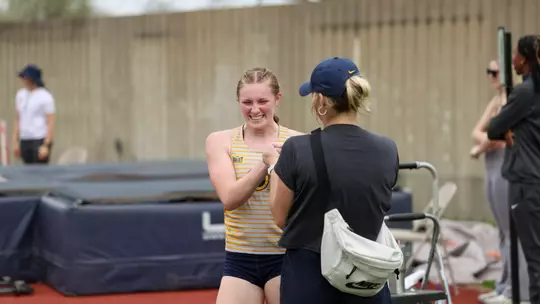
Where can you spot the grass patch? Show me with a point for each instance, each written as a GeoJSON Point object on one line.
{"type": "Point", "coordinates": [488, 284]}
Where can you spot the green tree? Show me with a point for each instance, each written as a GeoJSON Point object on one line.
{"type": "Point", "coordinates": [31, 10]}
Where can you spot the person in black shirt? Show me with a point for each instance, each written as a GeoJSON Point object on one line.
{"type": "Point", "coordinates": [362, 167]}
{"type": "Point", "coordinates": [519, 123]}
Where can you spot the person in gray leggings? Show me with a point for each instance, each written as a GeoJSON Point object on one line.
{"type": "Point", "coordinates": [497, 195]}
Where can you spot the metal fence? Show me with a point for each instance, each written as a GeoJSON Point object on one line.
{"type": "Point", "coordinates": [162, 83]}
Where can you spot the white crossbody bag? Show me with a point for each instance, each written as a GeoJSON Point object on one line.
{"type": "Point", "coordinates": [350, 262]}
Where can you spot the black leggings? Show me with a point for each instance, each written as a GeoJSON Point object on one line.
{"type": "Point", "coordinates": [525, 200]}
{"type": "Point", "coordinates": [302, 282]}
{"type": "Point", "coordinates": [30, 151]}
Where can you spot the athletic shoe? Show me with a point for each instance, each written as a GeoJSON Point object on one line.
{"type": "Point", "coordinates": [500, 299]}
{"type": "Point", "coordinates": [485, 296]}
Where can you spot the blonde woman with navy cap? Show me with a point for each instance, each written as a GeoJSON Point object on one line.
{"type": "Point", "coordinates": [361, 167]}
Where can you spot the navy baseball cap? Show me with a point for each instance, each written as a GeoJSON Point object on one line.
{"type": "Point", "coordinates": [329, 77]}
{"type": "Point", "coordinates": [33, 72]}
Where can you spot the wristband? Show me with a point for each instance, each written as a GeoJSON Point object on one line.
{"type": "Point", "coordinates": [270, 169]}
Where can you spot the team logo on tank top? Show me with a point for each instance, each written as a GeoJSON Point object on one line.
{"type": "Point", "coordinates": [237, 159]}
{"type": "Point", "coordinates": [264, 184]}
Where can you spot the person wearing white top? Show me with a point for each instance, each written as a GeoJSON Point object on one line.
{"type": "Point", "coordinates": [34, 120]}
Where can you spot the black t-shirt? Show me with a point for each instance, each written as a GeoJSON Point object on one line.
{"type": "Point", "coordinates": [362, 168]}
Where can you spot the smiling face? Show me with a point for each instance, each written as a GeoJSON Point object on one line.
{"type": "Point", "coordinates": [258, 94]}
{"type": "Point", "coordinates": [258, 104]}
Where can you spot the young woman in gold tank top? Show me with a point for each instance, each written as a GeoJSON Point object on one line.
{"type": "Point", "coordinates": [253, 259]}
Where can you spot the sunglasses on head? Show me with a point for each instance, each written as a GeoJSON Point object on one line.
{"type": "Point", "coordinates": [491, 72]}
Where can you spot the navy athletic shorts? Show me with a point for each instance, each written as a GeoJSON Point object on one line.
{"type": "Point", "coordinates": [257, 269]}
{"type": "Point", "coordinates": [302, 282]}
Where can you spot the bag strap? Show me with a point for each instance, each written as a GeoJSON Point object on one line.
{"type": "Point", "coordinates": [323, 182]}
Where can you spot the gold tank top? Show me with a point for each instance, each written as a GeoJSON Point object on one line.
{"type": "Point", "coordinates": [250, 228]}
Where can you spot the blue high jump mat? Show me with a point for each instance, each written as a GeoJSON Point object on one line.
{"type": "Point", "coordinates": [17, 238]}
{"type": "Point", "coordinates": [37, 179]}
{"type": "Point", "coordinates": [402, 202]}
{"type": "Point", "coordinates": [122, 237]}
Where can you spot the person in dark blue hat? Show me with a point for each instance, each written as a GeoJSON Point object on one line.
{"type": "Point", "coordinates": [34, 123]}
{"type": "Point", "coordinates": [361, 168]}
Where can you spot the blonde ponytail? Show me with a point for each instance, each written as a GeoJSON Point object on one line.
{"type": "Point", "coordinates": [358, 91]}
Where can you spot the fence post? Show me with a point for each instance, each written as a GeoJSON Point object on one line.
{"type": "Point", "coordinates": [4, 151]}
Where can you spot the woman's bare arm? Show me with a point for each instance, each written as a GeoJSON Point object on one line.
{"type": "Point", "coordinates": [233, 193]}
{"type": "Point", "coordinates": [479, 132]}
